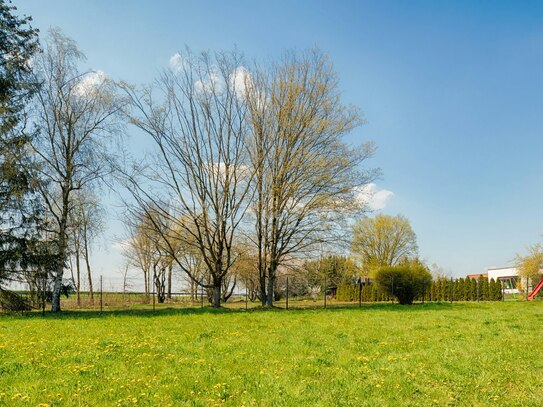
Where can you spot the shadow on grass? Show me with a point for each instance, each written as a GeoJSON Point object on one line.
{"type": "Point", "coordinates": [174, 311]}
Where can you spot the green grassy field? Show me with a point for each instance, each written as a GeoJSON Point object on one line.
{"type": "Point", "coordinates": [466, 354]}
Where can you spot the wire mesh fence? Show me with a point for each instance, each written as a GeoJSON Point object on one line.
{"type": "Point", "coordinates": [362, 292]}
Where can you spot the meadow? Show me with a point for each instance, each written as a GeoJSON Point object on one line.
{"type": "Point", "coordinates": [440, 354]}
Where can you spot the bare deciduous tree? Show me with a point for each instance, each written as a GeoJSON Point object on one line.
{"type": "Point", "coordinates": [86, 223]}
{"type": "Point", "coordinates": [200, 178]}
{"type": "Point", "coordinates": [307, 178]}
{"type": "Point", "coordinates": [76, 113]}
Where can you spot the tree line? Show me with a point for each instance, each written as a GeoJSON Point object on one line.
{"type": "Point", "coordinates": [249, 165]}
{"type": "Point", "coordinates": [441, 289]}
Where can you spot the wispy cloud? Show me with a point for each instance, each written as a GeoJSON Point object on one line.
{"type": "Point", "coordinates": [374, 197]}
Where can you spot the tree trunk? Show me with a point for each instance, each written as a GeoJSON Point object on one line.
{"type": "Point", "coordinates": [62, 247]}
{"type": "Point", "coordinates": [87, 261]}
{"type": "Point", "coordinates": [271, 283]}
{"type": "Point", "coordinates": [217, 295]}
{"type": "Point", "coordinates": [269, 295]}
{"type": "Point", "coordinates": [78, 274]}
{"type": "Point", "coordinates": [170, 267]}
{"type": "Point", "coordinates": [145, 282]}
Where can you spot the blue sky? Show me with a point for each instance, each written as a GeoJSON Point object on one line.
{"type": "Point", "coordinates": [452, 92]}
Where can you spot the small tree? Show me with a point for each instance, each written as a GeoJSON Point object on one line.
{"type": "Point", "coordinates": [459, 290]}
{"type": "Point", "coordinates": [405, 282]}
{"type": "Point", "coordinates": [383, 241]}
{"type": "Point", "coordinates": [530, 265]}
{"type": "Point", "coordinates": [484, 294]}
{"type": "Point", "coordinates": [473, 289]}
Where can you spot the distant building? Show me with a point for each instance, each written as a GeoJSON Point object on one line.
{"type": "Point", "coordinates": [511, 280]}
{"type": "Point", "coordinates": [477, 276]}
{"type": "Point", "coordinates": [508, 277]}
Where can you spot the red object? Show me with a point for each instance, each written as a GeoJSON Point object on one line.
{"type": "Point", "coordinates": [538, 287]}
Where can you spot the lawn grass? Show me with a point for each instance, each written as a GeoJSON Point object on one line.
{"type": "Point", "coordinates": [464, 354]}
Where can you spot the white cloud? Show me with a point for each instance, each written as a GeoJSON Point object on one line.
{"type": "Point", "coordinates": [240, 81]}
{"type": "Point", "coordinates": [176, 62]}
{"type": "Point", "coordinates": [374, 197]}
{"type": "Point", "coordinates": [90, 82]}
{"type": "Point", "coordinates": [213, 83]}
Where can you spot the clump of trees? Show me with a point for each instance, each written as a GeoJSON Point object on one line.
{"type": "Point", "coordinates": [236, 147]}
{"type": "Point", "coordinates": [439, 289]}
{"type": "Point", "coordinates": [468, 289]}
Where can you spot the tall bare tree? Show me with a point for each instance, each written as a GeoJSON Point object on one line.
{"type": "Point", "coordinates": [307, 177]}
{"type": "Point", "coordinates": [200, 177]}
{"type": "Point", "coordinates": [77, 115]}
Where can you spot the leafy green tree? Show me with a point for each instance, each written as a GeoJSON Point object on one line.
{"type": "Point", "coordinates": [23, 249]}
{"type": "Point", "coordinates": [439, 289]}
{"type": "Point", "coordinates": [498, 294]}
{"type": "Point", "coordinates": [433, 291]}
{"type": "Point", "coordinates": [383, 241]}
{"type": "Point", "coordinates": [473, 289]}
{"type": "Point", "coordinates": [467, 289]}
{"type": "Point", "coordinates": [495, 290]}
{"type": "Point", "coordinates": [484, 289]}
{"type": "Point", "coordinates": [459, 289]}
{"type": "Point", "coordinates": [405, 282]}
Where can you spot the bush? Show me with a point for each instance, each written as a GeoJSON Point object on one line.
{"type": "Point", "coordinates": [405, 282]}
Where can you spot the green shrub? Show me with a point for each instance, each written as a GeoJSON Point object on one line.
{"type": "Point", "coordinates": [405, 282]}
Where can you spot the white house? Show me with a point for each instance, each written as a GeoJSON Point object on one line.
{"type": "Point", "coordinates": [510, 279]}
{"type": "Point", "coordinates": [508, 276]}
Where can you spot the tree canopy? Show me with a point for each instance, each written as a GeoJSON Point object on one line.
{"type": "Point", "coordinates": [383, 241]}
{"type": "Point", "coordinates": [20, 209]}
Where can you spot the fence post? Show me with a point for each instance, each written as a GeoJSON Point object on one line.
{"type": "Point", "coordinates": [101, 295]}
{"type": "Point", "coordinates": [478, 290]}
{"type": "Point", "coordinates": [393, 290]}
{"type": "Point", "coordinates": [154, 276]}
{"type": "Point", "coordinates": [202, 297]}
{"type": "Point", "coordinates": [360, 294]}
{"type": "Point", "coordinates": [527, 289]}
{"type": "Point", "coordinates": [246, 297]}
{"type": "Point", "coordinates": [452, 290]}
{"type": "Point", "coordinates": [503, 289]}
{"type": "Point", "coordinates": [325, 291]}
{"type": "Point", "coordinates": [287, 295]}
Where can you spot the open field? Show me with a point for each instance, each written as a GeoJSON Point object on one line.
{"type": "Point", "coordinates": [465, 354]}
